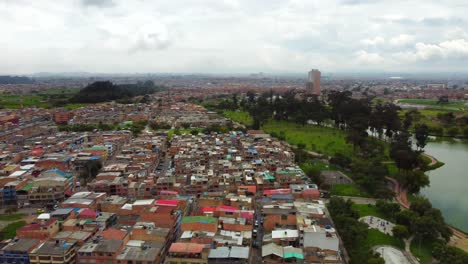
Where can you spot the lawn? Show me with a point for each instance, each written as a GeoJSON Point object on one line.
{"type": "Point", "coordinates": [10, 230]}
{"type": "Point", "coordinates": [239, 116]}
{"type": "Point", "coordinates": [433, 104]}
{"type": "Point", "coordinates": [171, 132]}
{"type": "Point", "coordinates": [11, 217]}
{"type": "Point", "coordinates": [423, 253]}
{"type": "Point", "coordinates": [375, 238]}
{"type": "Point", "coordinates": [60, 91]}
{"type": "Point", "coordinates": [367, 209]}
{"type": "Point", "coordinates": [316, 164]}
{"type": "Point", "coordinates": [325, 140]}
{"type": "Point", "coordinates": [74, 106]}
{"type": "Point", "coordinates": [15, 101]}
{"type": "Point", "coordinates": [348, 190]}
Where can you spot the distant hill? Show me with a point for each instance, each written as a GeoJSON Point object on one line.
{"type": "Point", "coordinates": [104, 91]}
{"type": "Point", "coordinates": [6, 79]}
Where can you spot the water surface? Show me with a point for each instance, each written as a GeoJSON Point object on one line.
{"type": "Point", "coordinates": [449, 183]}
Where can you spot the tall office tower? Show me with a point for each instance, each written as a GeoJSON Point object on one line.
{"type": "Point", "coordinates": [313, 83]}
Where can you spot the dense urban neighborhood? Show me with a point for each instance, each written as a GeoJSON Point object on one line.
{"type": "Point", "coordinates": [216, 175]}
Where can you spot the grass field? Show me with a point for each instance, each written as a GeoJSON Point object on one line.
{"type": "Point", "coordinates": [11, 217]}
{"type": "Point", "coordinates": [10, 230]}
{"type": "Point", "coordinates": [316, 164]}
{"type": "Point", "coordinates": [375, 238]}
{"type": "Point", "coordinates": [15, 101]}
{"type": "Point", "coordinates": [433, 104]}
{"type": "Point", "coordinates": [328, 141]}
{"type": "Point", "coordinates": [367, 209]}
{"type": "Point", "coordinates": [60, 91]}
{"type": "Point", "coordinates": [423, 253]}
{"type": "Point", "coordinates": [348, 190]}
{"type": "Point", "coordinates": [239, 116]}
{"type": "Point", "coordinates": [41, 99]}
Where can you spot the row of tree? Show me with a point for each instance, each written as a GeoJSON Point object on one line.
{"type": "Point", "coordinates": [104, 91]}
{"type": "Point", "coordinates": [352, 232]}
{"type": "Point", "coordinates": [360, 118]}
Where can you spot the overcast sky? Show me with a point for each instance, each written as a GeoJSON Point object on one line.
{"type": "Point", "coordinates": [233, 36]}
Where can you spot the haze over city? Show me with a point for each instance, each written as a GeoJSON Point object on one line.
{"type": "Point", "coordinates": [233, 36]}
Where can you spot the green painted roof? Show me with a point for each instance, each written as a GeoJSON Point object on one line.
{"type": "Point", "coordinates": [293, 255]}
{"type": "Point", "coordinates": [287, 172]}
{"type": "Point", "coordinates": [27, 187]}
{"type": "Point", "coordinates": [199, 219]}
{"type": "Point", "coordinates": [96, 148]}
{"type": "Point", "coordinates": [268, 176]}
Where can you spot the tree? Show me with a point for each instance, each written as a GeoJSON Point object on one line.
{"type": "Point", "coordinates": [453, 131]}
{"type": "Point", "coordinates": [414, 180]}
{"type": "Point", "coordinates": [400, 231]}
{"type": "Point", "coordinates": [421, 135]}
{"type": "Point", "coordinates": [420, 205]}
{"type": "Point", "coordinates": [406, 218]}
{"type": "Point", "coordinates": [444, 99]}
{"type": "Point", "coordinates": [388, 209]}
{"type": "Point", "coordinates": [90, 170]}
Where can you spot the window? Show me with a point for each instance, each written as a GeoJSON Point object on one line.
{"type": "Point", "coordinates": [284, 217]}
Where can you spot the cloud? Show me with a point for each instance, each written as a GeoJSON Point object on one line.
{"type": "Point", "coordinates": [402, 40]}
{"type": "Point", "coordinates": [364, 57]}
{"type": "Point", "coordinates": [358, 2]}
{"type": "Point", "coordinates": [447, 50]}
{"type": "Point", "coordinates": [98, 3]}
{"type": "Point", "coordinates": [373, 41]}
{"type": "Point", "coordinates": [230, 35]}
{"type": "Point", "coordinates": [153, 36]}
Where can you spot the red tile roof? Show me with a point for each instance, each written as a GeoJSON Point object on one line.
{"type": "Point", "coordinates": [113, 233]}
{"type": "Point", "coordinates": [277, 191]}
{"type": "Point", "coordinates": [88, 213]}
{"type": "Point", "coordinates": [186, 248]}
{"type": "Point", "coordinates": [167, 202]}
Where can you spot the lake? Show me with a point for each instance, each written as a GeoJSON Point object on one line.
{"type": "Point", "coordinates": [449, 184]}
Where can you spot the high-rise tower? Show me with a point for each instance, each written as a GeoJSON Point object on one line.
{"type": "Point", "coordinates": [313, 82]}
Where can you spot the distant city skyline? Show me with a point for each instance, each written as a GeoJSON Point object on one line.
{"type": "Point", "coordinates": [233, 36]}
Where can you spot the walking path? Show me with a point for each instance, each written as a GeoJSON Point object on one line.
{"type": "Point", "coordinates": [400, 192]}
{"type": "Point", "coordinates": [393, 255]}
{"type": "Point", "coordinates": [433, 160]}
{"type": "Point", "coordinates": [380, 224]}
{"type": "Point", "coordinates": [459, 239]}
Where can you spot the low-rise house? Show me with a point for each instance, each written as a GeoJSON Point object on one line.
{"type": "Point", "coordinates": [100, 251]}
{"type": "Point", "coordinates": [229, 255]}
{"type": "Point", "coordinates": [144, 252]}
{"type": "Point", "coordinates": [52, 252]}
{"type": "Point", "coordinates": [180, 253]}
{"type": "Point", "coordinates": [44, 229]}
{"type": "Point", "coordinates": [17, 250]}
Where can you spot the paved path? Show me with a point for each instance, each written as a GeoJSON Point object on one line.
{"type": "Point", "coordinates": [433, 160]}
{"type": "Point", "coordinates": [380, 224]}
{"type": "Point", "coordinates": [359, 200]}
{"type": "Point", "coordinates": [393, 255]}
{"type": "Point", "coordinates": [402, 199]}
{"type": "Point", "coordinates": [400, 192]}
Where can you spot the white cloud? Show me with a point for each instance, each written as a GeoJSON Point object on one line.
{"type": "Point", "coordinates": [228, 35]}
{"type": "Point", "coordinates": [364, 57]}
{"type": "Point", "coordinates": [452, 49]}
{"type": "Point", "coordinates": [373, 41]}
{"type": "Point", "coordinates": [402, 40]}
